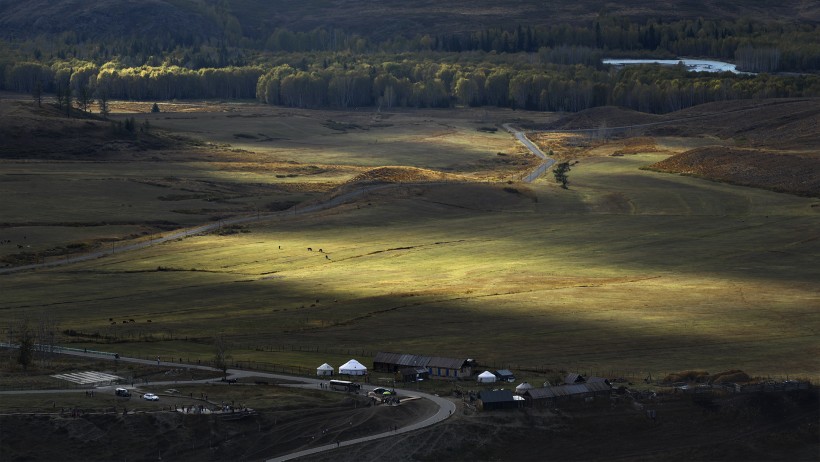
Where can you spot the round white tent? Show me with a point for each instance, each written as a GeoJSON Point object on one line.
{"type": "Point", "coordinates": [324, 369]}
{"type": "Point", "coordinates": [486, 377]}
{"type": "Point", "coordinates": [521, 389]}
{"type": "Point", "coordinates": [353, 367]}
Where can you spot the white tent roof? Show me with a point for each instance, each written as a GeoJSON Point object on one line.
{"type": "Point", "coordinates": [486, 376]}
{"type": "Point", "coordinates": [351, 365]}
{"type": "Point", "coordinates": [325, 367]}
{"type": "Point", "coordinates": [523, 386]}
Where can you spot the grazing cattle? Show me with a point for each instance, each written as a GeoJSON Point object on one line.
{"type": "Point", "coordinates": [327, 257]}
{"type": "Point", "coordinates": [149, 320]}
{"type": "Point", "coordinates": [321, 251]}
{"type": "Point", "coordinates": [124, 321]}
{"type": "Point", "coordinates": [310, 249]}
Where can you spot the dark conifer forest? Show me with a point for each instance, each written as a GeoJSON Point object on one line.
{"type": "Point", "coordinates": [530, 55]}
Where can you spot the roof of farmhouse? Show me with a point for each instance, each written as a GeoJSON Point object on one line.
{"type": "Point", "coordinates": [496, 396]}
{"type": "Point", "coordinates": [566, 390]}
{"type": "Point", "coordinates": [409, 360]}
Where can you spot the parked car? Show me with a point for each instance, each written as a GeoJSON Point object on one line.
{"type": "Point", "coordinates": [122, 392]}
{"type": "Point", "coordinates": [381, 392]}
{"type": "Point", "coordinates": [150, 397]}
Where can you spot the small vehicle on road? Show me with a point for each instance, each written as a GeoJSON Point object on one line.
{"type": "Point", "coordinates": [122, 392]}
{"type": "Point", "coordinates": [150, 397]}
{"type": "Point", "coordinates": [382, 394]}
{"type": "Point", "coordinates": [344, 385]}
{"type": "Point", "coordinates": [380, 391]}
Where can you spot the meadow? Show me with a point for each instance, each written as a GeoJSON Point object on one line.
{"type": "Point", "coordinates": [628, 270]}
{"type": "Point", "coordinates": [230, 168]}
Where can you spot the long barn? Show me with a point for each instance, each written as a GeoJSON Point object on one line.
{"type": "Point", "coordinates": [437, 366]}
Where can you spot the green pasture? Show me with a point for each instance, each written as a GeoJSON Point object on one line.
{"type": "Point", "coordinates": [628, 270]}
{"type": "Point", "coordinates": [53, 205]}
{"type": "Point", "coordinates": [441, 140]}
{"type": "Point", "coordinates": [51, 208]}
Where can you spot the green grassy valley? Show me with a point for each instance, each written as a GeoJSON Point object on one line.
{"type": "Point", "coordinates": [204, 200]}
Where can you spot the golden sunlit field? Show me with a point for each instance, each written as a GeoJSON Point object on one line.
{"type": "Point", "coordinates": [628, 270]}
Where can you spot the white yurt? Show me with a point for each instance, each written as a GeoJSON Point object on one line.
{"type": "Point", "coordinates": [486, 377]}
{"type": "Point", "coordinates": [521, 389]}
{"type": "Point", "coordinates": [353, 367]}
{"type": "Point", "coordinates": [324, 369]}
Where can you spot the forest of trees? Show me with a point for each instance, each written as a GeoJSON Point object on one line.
{"type": "Point", "coordinates": [547, 68]}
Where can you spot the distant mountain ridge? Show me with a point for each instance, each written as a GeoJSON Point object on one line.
{"type": "Point", "coordinates": [101, 18]}
{"type": "Point", "coordinates": [20, 19]}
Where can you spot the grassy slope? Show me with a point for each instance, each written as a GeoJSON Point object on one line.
{"type": "Point", "coordinates": [119, 187]}
{"type": "Point", "coordinates": [629, 270]}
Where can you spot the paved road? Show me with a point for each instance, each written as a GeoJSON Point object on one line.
{"type": "Point", "coordinates": [538, 171]}
{"type": "Point", "coordinates": [446, 408]}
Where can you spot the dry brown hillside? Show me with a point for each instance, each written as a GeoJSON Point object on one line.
{"type": "Point", "coordinates": [771, 144]}
{"type": "Point", "coordinates": [748, 167]}
{"type": "Point", "coordinates": [779, 124]}
{"type": "Point", "coordinates": [31, 132]}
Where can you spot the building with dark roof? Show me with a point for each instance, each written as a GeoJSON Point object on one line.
{"type": "Point", "coordinates": [573, 378]}
{"type": "Point", "coordinates": [392, 362]}
{"type": "Point", "coordinates": [437, 366]}
{"type": "Point", "coordinates": [551, 396]}
{"type": "Point", "coordinates": [412, 374]}
{"type": "Point", "coordinates": [490, 400]}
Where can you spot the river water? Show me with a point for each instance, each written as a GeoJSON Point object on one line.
{"type": "Point", "coordinates": [696, 65]}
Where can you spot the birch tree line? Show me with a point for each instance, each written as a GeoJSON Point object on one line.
{"type": "Point", "coordinates": [549, 68]}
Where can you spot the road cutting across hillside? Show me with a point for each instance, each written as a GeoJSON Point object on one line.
{"type": "Point", "coordinates": [538, 171]}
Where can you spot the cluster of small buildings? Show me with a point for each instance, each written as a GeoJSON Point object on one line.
{"type": "Point", "coordinates": [574, 388]}
{"type": "Point", "coordinates": [412, 368]}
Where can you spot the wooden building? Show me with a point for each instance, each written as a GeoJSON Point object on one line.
{"type": "Point", "coordinates": [552, 396]}
{"type": "Point", "coordinates": [412, 374]}
{"type": "Point", "coordinates": [437, 366]}
{"type": "Point", "coordinates": [498, 399]}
